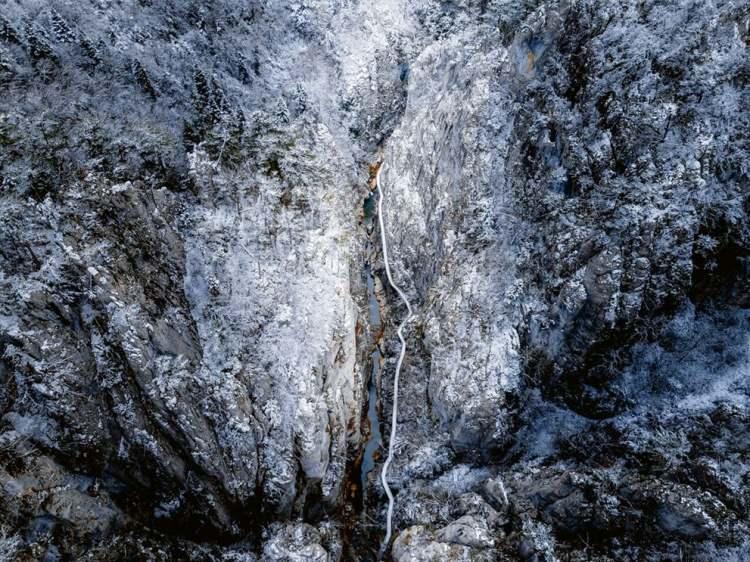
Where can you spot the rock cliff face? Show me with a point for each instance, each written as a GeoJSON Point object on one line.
{"type": "Point", "coordinates": [185, 340]}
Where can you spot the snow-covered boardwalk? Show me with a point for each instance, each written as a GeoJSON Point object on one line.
{"type": "Point", "coordinates": [394, 417]}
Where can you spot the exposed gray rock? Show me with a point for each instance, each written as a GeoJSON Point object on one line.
{"type": "Point", "coordinates": [295, 542]}
{"type": "Point", "coordinates": [468, 530]}
{"type": "Point", "coordinates": [416, 544]}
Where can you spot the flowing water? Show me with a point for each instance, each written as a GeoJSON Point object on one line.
{"type": "Point", "coordinates": [373, 418]}
{"type": "Point", "coordinates": [374, 441]}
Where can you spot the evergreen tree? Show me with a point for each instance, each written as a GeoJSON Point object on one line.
{"type": "Point", "coordinates": [300, 99]}
{"type": "Point", "coordinates": [38, 45]}
{"type": "Point", "coordinates": [220, 106]}
{"type": "Point", "coordinates": [6, 68]}
{"type": "Point", "coordinates": [201, 92]}
{"type": "Point", "coordinates": [60, 27]}
{"type": "Point", "coordinates": [91, 51]}
{"type": "Point", "coordinates": [7, 33]}
{"type": "Point", "coordinates": [242, 73]}
{"type": "Point", "coordinates": [282, 111]}
{"type": "Point", "coordinates": [143, 80]}
{"type": "Point", "coordinates": [233, 130]}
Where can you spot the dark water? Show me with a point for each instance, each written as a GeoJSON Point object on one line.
{"type": "Point", "coordinates": [374, 441]}
{"type": "Point", "coordinates": [369, 207]}
{"type": "Point", "coordinates": [373, 418]}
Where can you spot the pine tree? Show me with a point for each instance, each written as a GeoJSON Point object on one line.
{"type": "Point", "coordinates": [243, 74]}
{"type": "Point", "coordinates": [7, 33]}
{"type": "Point", "coordinates": [204, 105]}
{"type": "Point", "coordinates": [60, 27]}
{"type": "Point", "coordinates": [39, 47]}
{"type": "Point", "coordinates": [6, 69]}
{"type": "Point", "coordinates": [300, 99]}
{"type": "Point", "coordinates": [220, 106]}
{"type": "Point", "coordinates": [91, 50]}
{"type": "Point", "coordinates": [201, 92]}
{"type": "Point", "coordinates": [232, 132]}
{"type": "Point", "coordinates": [143, 80]}
{"type": "Point", "coordinates": [282, 111]}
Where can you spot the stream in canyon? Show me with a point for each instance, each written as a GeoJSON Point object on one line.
{"type": "Point", "coordinates": [374, 441]}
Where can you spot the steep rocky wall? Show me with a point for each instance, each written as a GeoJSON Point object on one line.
{"type": "Point", "coordinates": [570, 207]}
{"type": "Point", "coordinates": [181, 260]}
{"type": "Point", "coordinates": [447, 194]}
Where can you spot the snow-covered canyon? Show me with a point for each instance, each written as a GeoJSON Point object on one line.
{"type": "Point", "coordinates": [198, 339]}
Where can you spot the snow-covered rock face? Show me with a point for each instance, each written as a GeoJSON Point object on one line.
{"type": "Point", "coordinates": [446, 189]}
{"type": "Point", "coordinates": [183, 316]}
{"type": "Point", "coordinates": [195, 223]}
{"type": "Point", "coordinates": [273, 306]}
